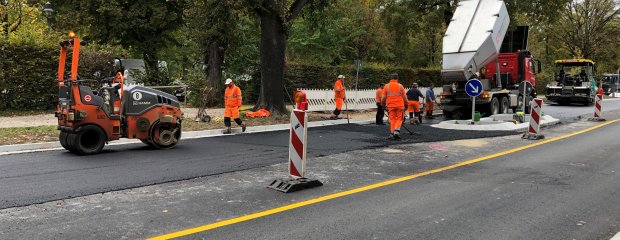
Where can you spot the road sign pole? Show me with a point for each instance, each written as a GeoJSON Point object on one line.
{"type": "Point", "coordinates": [473, 88]}
{"type": "Point", "coordinates": [473, 109]}
{"type": "Point", "coordinates": [524, 90]}
{"type": "Point", "coordinates": [358, 64]}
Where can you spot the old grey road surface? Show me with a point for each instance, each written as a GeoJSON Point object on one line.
{"type": "Point", "coordinates": [568, 189]}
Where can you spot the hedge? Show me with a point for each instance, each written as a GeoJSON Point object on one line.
{"type": "Point", "coordinates": [28, 75]}
{"type": "Point", "coordinates": [27, 78]}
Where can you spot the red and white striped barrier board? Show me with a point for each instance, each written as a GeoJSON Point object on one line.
{"type": "Point", "coordinates": [598, 107]}
{"type": "Point", "coordinates": [296, 157]}
{"type": "Point", "coordinates": [533, 131]}
{"type": "Point", "coordinates": [297, 144]}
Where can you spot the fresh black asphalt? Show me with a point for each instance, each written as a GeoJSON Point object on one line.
{"type": "Point", "coordinates": [32, 178]}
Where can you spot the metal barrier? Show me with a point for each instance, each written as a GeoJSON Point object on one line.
{"type": "Point", "coordinates": [323, 99]}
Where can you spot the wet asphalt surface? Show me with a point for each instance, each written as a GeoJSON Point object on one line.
{"type": "Point", "coordinates": [32, 178]}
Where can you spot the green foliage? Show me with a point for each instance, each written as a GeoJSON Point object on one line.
{"type": "Point", "coordinates": [95, 64]}
{"type": "Point", "coordinates": [23, 24]}
{"type": "Point", "coordinates": [243, 54]}
{"type": "Point", "coordinates": [27, 77]}
{"type": "Point", "coordinates": [146, 26]}
{"type": "Point", "coordinates": [345, 31]}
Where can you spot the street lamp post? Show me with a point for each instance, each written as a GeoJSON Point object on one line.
{"type": "Point", "coordinates": [48, 10]}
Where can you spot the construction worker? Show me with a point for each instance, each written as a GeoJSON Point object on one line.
{"type": "Point", "coordinates": [232, 102]}
{"type": "Point", "coordinates": [339, 96]}
{"type": "Point", "coordinates": [414, 95]}
{"type": "Point", "coordinates": [430, 101]}
{"type": "Point", "coordinates": [394, 99]}
{"type": "Point", "coordinates": [380, 110]}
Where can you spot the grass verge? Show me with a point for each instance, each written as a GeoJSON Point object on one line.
{"type": "Point", "coordinates": [19, 113]}
{"type": "Point", "coordinates": [28, 135]}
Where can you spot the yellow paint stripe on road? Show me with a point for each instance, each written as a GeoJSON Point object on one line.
{"type": "Point", "coordinates": [365, 188]}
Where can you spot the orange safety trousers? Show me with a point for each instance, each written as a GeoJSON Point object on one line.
{"type": "Point", "coordinates": [414, 106]}
{"type": "Point", "coordinates": [339, 103]}
{"type": "Point", "coordinates": [429, 108]}
{"type": "Point", "coordinates": [231, 112]}
{"type": "Point", "coordinates": [395, 114]}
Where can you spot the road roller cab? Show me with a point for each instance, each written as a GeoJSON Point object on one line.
{"type": "Point", "coordinates": [89, 118]}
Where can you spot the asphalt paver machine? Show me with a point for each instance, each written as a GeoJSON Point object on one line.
{"type": "Point", "coordinates": [89, 118]}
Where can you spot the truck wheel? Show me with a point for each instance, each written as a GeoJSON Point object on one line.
{"type": "Point", "coordinates": [505, 105]}
{"type": "Point", "coordinates": [89, 140]}
{"type": "Point", "coordinates": [520, 105]}
{"type": "Point", "coordinates": [447, 115]}
{"type": "Point", "coordinates": [494, 106]}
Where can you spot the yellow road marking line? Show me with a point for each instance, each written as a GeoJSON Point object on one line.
{"type": "Point", "coordinates": [365, 188]}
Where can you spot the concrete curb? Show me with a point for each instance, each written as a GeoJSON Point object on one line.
{"type": "Point", "coordinates": [52, 146]}
{"type": "Point", "coordinates": [491, 124]}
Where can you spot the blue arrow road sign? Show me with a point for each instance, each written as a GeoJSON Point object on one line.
{"type": "Point", "coordinates": [473, 87]}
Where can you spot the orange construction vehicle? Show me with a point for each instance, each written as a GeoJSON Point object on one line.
{"type": "Point", "coordinates": [88, 119]}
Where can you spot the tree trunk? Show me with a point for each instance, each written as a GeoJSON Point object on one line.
{"type": "Point", "coordinates": [215, 60]}
{"type": "Point", "coordinates": [273, 45]}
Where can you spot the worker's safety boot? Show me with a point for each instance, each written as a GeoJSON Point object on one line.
{"type": "Point", "coordinates": [391, 137]}
{"type": "Point", "coordinates": [228, 131]}
{"type": "Point", "coordinates": [397, 135]}
{"type": "Point", "coordinates": [243, 127]}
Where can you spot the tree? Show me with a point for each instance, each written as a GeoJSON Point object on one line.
{"type": "Point", "coordinates": [586, 27]}
{"type": "Point", "coordinates": [347, 30]}
{"type": "Point", "coordinates": [145, 26]}
{"type": "Point", "coordinates": [276, 18]}
{"type": "Point", "coordinates": [213, 24]}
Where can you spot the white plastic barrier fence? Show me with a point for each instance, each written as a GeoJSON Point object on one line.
{"type": "Point", "coordinates": [323, 99]}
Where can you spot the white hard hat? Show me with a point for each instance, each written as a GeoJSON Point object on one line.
{"type": "Point", "coordinates": [340, 76]}
{"type": "Point", "coordinates": [228, 81]}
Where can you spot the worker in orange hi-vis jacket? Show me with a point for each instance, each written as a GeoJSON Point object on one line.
{"type": "Point", "coordinates": [395, 99]}
{"type": "Point", "coordinates": [232, 102]}
{"type": "Point", "coordinates": [380, 110]}
{"type": "Point", "coordinates": [339, 96]}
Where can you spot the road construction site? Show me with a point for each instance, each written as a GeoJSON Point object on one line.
{"type": "Point", "coordinates": [130, 192]}
{"type": "Point", "coordinates": [520, 168]}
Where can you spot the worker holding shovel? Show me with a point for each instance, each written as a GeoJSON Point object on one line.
{"type": "Point", "coordinates": [394, 98]}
